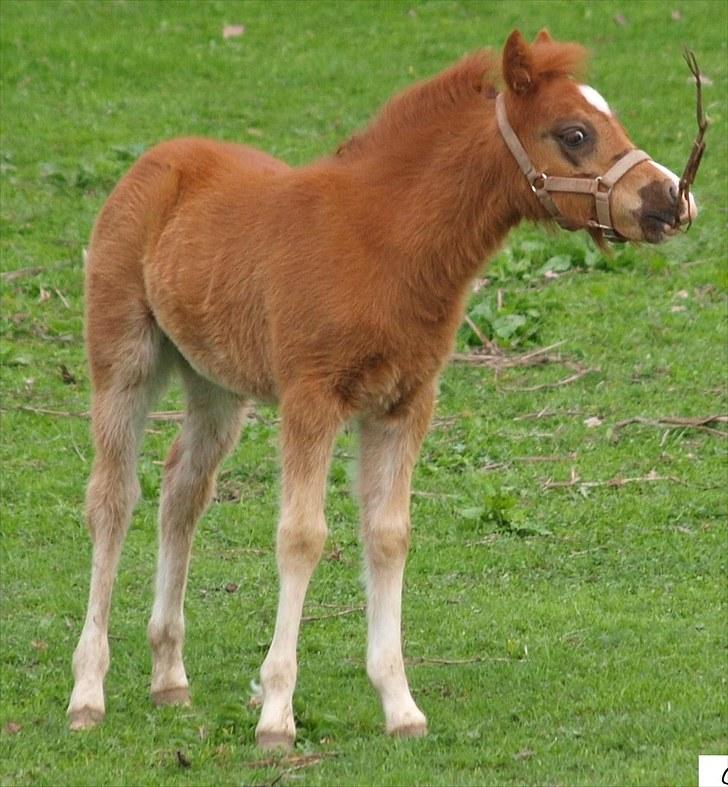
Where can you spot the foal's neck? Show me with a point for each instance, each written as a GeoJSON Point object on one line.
{"type": "Point", "coordinates": [438, 200]}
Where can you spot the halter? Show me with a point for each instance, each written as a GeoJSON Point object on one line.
{"type": "Point", "coordinates": [541, 183]}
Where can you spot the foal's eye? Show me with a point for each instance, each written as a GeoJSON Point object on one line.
{"type": "Point", "coordinates": [573, 137]}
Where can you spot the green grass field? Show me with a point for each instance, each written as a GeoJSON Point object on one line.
{"type": "Point", "coordinates": [557, 635]}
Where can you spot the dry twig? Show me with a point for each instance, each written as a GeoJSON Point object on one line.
{"type": "Point", "coordinates": [300, 760]}
{"type": "Point", "coordinates": [418, 660]}
{"type": "Point", "coordinates": [482, 338]}
{"type": "Point", "coordinates": [617, 481]}
{"type": "Point", "coordinates": [162, 415]}
{"type": "Point", "coordinates": [62, 297]}
{"type": "Point", "coordinates": [572, 378]}
{"type": "Point", "coordinates": [497, 360]}
{"type": "Point", "coordinates": [696, 154]}
{"type": "Point", "coordinates": [545, 413]}
{"type": "Point", "coordinates": [675, 422]}
{"type": "Point", "coordinates": [34, 270]}
{"type": "Point", "coordinates": [338, 614]}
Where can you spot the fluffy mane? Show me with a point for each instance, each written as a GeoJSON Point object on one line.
{"type": "Point", "coordinates": [428, 100]}
{"type": "Point", "coordinates": [471, 78]}
{"type": "Point", "coordinates": [552, 59]}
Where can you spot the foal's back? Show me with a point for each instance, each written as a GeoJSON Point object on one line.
{"type": "Point", "coordinates": [166, 253]}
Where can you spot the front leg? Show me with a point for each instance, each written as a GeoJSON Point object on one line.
{"type": "Point", "coordinates": [307, 437]}
{"type": "Point", "coordinates": [389, 448]}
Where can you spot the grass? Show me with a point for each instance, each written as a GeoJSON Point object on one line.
{"type": "Point", "coordinates": [591, 619]}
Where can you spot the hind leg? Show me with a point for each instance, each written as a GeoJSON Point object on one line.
{"type": "Point", "coordinates": [120, 404]}
{"type": "Point", "coordinates": [211, 428]}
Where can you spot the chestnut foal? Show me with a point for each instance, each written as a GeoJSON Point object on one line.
{"type": "Point", "coordinates": [334, 289]}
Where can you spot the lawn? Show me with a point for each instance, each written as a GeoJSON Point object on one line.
{"type": "Point", "coordinates": [566, 606]}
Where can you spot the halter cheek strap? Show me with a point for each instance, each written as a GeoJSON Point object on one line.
{"type": "Point", "coordinates": [542, 184]}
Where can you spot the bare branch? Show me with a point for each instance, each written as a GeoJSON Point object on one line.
{"type": "Point", "coordinates": [616, 482]}
{"type": "Point", "coordinates": [418, 660]}
{"type": "Point", "coordinates": [566, 381]}
{"type": "Point", "coordinates": [696, 154]}
{"type": "Point", "coordinates": [673, 422]}
{"type": "Point", "coordinates": [338, 614]}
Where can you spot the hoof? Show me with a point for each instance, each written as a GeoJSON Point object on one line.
{"type": "Point", "coordinates": [177, 696]}
{"type": "Point", "coordinates": [417, 730]}
{"type": "Point", "coordinates": [85, 718]}
{"type": "Point", "coordinates": [268, 740]}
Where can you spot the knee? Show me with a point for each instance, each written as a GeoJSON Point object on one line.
{"type": "Point", "coordinates": [300, 540]}
{"type": "Point", "coordinates": [387, 539]}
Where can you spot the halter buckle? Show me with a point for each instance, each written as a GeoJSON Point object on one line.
{"type": "Point", "coordinates": [535, 186]}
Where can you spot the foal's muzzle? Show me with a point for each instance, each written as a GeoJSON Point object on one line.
{"type": "Point", "coordinates": [658, 215]}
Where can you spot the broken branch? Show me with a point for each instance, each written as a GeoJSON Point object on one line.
{"type": "Point", "coordinates": [415, 662]}
{"type": "Point", "coordinates": [673, 422]}
{"type": "Point", "coordinates": [617, 481]}
{"type": "Point", "coordinates": [338, 614]}
{"type": "Point", "coordinates": [696, 154]}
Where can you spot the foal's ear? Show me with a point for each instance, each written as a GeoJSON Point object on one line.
{"type": "Point", "coordinates": [517, 63]}
{"type": "Point", "coordinates": [543, 37]}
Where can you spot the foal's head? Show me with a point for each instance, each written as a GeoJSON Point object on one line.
{"type": "Point", "coordinates": [567, 130]}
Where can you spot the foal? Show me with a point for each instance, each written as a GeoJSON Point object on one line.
{"type": "Point", "coordinates": [335, 290]}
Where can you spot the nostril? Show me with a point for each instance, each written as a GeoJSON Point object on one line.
{"type": "Point", "coordinates": [672, 190]}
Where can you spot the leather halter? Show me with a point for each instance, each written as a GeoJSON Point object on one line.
{"type": "Point", "coordinates": [541, 183]}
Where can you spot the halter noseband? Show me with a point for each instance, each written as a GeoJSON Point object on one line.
{"type": "Point", "coordinates": [541, 183]}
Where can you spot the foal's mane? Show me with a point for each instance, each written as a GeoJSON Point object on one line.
{"type": "Point", "coordinates": [477, 75]}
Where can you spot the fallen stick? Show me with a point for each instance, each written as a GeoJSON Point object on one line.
{"type": "Point", "coordinates": [543, 386]}
{"type": "Point", "coordinates": [482, 338]}
{"type": "Point", "coordinates": [545, 413]}
{"type": "Point", "coordinates": [338, 614]}
{"type": "Point", "coordinates": [34, 270]}
{"type": "Point", "coordinates": [295, 760]}
{"type": "Point", "coordinates": [418, 660]}
{"type": "Point", "coordinates": [616, 482]}
{"type": "Point", "coordinates": [497, 360]}
{"type": "Point", "coordinates": [162, 415]}
{"type": "Point", "coordinates": [675, 422]}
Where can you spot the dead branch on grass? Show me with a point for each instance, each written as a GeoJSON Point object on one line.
{"type": "Point", "coordinates": [34, 270]}
{"type": "Point", "coordinates": [675, 422]}
{"type": "Point", "coordinates": [62, 297]}
{"type": "Point", "coordinates": [572, 378]}
{"type": "Point", "coordinates": [162, 415]}
{"type": "Point", "coordinates": [495, 359]}
{"type": "Point", "coordinates": [545, 413]}
{"type": "Point", "coordinates": [530, 460]}
{"type": "Point", "coordinates": [338, 614]}
{"type": "Point", "coordinates": [295, 762]}
{"type": "Point", "coordinates": [616, 482]}
{"type": "Point", "coordinates": [482, 338]}
{"type": "Point", "coordinates": [419, 660]}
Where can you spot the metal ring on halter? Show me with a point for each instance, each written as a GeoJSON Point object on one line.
{"type": "Point", "coordinates": [543, 177]}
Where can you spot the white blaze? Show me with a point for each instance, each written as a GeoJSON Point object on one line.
{"type": "Point", "coordinates": [670, 174]}
{"type": "Point", "coordinates": [595, 98]}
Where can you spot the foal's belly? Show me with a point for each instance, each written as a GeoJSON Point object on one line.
{"type": "Point", "coordinates": [221, 333]}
